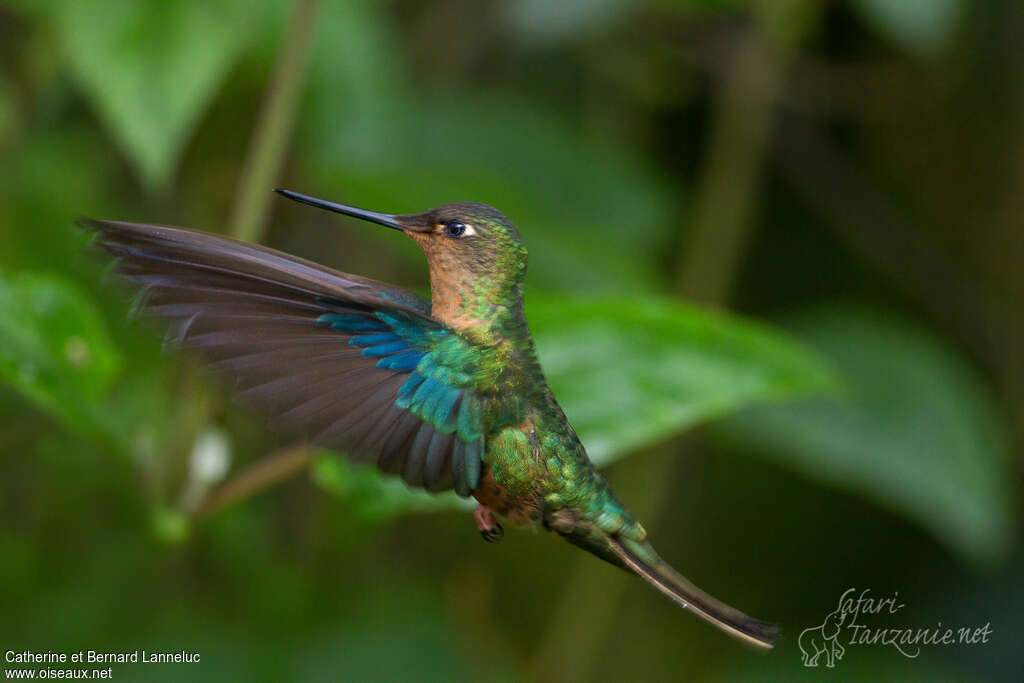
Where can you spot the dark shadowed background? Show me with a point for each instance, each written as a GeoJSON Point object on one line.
{"type": "Point", "coordinates": [776, 277]}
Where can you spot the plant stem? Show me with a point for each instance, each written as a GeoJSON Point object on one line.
{"type": "Point", "coordinates": [262, 474]}
{"type": "Point", "coordinates": [262, 165]}
{"type": "Point", "coordinates": [270, 138]}
{"type": "Point", "coordinates": [730, 180]}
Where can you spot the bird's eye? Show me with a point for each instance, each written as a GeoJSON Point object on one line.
{"type": "Point", "coordinates": [454, 229]}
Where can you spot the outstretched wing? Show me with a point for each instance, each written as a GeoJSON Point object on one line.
{"type": "Point", "coordinates": [349, 362]}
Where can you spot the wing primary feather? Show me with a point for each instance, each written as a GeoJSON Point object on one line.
{"type": "Point", "coordinates": [278, 383]}
{"type": "Point", "coordinates": [275, 358]}
{"type": "Point", "coordinates": [417, 457]}
{"type": "Point", "coordinates": [459, 481]}
{"type": "Point", "coordinates": [394, 450]}
{"type": "Point", "coordinates": [373, 438]}
{"type": "Point", "coordinates": [381, 394]}
{"type": "Point", "coordinates": [332, 402]}
{"type": "Point", "coordinates": [438, 454]}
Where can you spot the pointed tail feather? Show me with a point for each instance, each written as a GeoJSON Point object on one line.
{"type": "Point", "coordinates": [668, 581]}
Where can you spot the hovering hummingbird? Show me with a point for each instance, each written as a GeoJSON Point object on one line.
{"type": "Point", "coordinates": [447, 393]}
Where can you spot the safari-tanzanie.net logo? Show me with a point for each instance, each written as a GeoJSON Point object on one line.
{"type": "Point", "coordinates": [852, 624]}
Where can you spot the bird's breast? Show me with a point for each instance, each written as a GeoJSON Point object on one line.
{"type": "Point", "coordinates": [517, 509]}
{"type": "Point", "coordinates": [512, 478]}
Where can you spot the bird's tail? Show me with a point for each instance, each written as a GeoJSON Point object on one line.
{"type": "Point", "coordinates": [642, 559]}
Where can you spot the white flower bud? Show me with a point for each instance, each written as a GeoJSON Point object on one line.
{"type": "Point", "coordinates": [211, 457]}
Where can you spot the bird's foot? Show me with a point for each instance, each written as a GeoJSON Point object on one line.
{"type": "Point", "coordinates": [490, 530]}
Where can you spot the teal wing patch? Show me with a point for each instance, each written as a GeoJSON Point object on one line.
{"type": "Point", "coordinates": [448, 447]}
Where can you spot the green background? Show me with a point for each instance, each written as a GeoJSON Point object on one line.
{"type": "Point", "coordinates": [776, 278]}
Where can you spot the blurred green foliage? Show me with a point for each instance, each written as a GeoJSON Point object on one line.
{"type": "Point", "coordinates": [56, 350]}
{"type": "Point", "coordinates": [648, 368]}
{"type": "Point", "coordinates": [151, 101]}
{"type": "Point", "coordinates": [915, 429]}
{"type": "Point", "coordinates": [864, 398]}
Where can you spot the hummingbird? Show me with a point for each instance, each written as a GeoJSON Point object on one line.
{"type": "Point", "coordinates": [447, 394]}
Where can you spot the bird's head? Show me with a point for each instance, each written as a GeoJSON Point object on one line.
{"type": "Point", "coordinates": [477, 259]}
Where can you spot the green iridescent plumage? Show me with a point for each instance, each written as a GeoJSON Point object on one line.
{"type": "Point", "coordinates": [446, 394]}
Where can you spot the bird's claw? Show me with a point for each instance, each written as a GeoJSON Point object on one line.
{"type": "Point", "coordinates": [490, 530]}
{"type": "Point", "coordinates": [492, 535]}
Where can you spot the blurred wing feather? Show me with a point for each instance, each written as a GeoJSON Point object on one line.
{"type": "Point", "coordinates": [346, 361]}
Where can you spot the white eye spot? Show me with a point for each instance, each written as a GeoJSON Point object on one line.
{"type": "Point", "coordinates": [456, 229]}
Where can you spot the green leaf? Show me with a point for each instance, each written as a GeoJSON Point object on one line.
{"type": "Point", "coordinates": [31, 195]}
{"type": "Point", "coordinates": [916, 431]}
{"type": "Point", "coordinates": [150, 68]}
{"type": "Point", "coordinates": [922, 26]}
{"type": "Point", "coordinates": [568, 192]}
{"type": "Point", "coordinates": [629, 372]}
{"type": "Point", "coordinates": [55, 350]}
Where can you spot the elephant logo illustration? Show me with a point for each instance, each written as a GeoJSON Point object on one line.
{"type": "Point", "coordinates": [824, 639]}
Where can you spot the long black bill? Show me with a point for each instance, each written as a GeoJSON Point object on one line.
{"type": "Point", "coordinates": [385, 219]}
